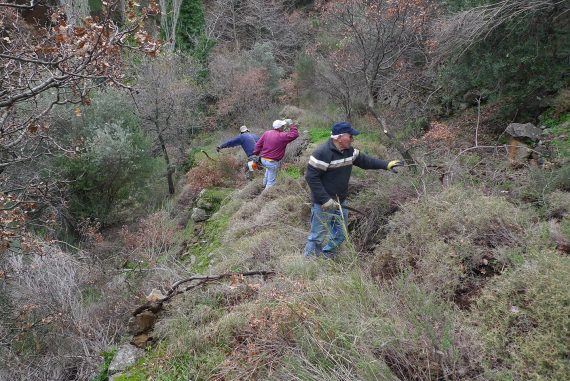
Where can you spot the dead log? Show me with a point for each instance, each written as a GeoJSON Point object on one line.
{"type": "Point", "coordinates": [196, 281]}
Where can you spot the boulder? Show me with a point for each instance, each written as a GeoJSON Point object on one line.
{"type": "Point", "coordinates": [203, 203]}
{"type": "Point", "coordinates": [199, 215]}
{"type": "Point", "coordinates": [518, 152]}
{"type": "Point", "coordinates": [292, 112]}
{"type": "Point", "coordinates": [143, 322]}
{"type": "Point", "coordinates": [526, 130]}
{"type": "Point", "coordinates": [126, 356]}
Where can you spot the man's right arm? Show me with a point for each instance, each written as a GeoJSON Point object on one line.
{"type": "Point", "coordinates": [315, 169]}
{"type": "Point", "coordinates": [233, 142]}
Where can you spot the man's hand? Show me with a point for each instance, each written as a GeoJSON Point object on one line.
{"type": "Point", "coordinates": [330, 205]}
{"type": "Point", "coordinates": [218, 149]}
{"type": "Point", "coordinates": [395, 164]}
{"type": "Point", "coordinates": [255, 159]}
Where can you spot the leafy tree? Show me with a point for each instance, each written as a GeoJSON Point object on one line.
{"type": "Point", "coordinates": [191, 24]}
{"type": "Point", "coordinates": [50, 60]}
{"type": "Point", "coordinates": [113, 167]}
{"type": "Point", "coordinates": [513, 48]}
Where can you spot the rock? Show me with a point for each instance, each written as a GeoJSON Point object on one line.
{"type": "Point", "coordinates": [292, 112]}
{"type": "Point", "coordinates": [199, 215]}
{"type": "Point", "coordinates": [518, 152]}
{"type": "Point", "coordinates": [126, 356]}
{"type": "Point", "coordinates": [526, 130]}
{"type": "Point", "coordinates": [155, 295]}
{"type": "Point", "coordinates": [202, 203]}
{"type": "Point", "coordinates": [143, 322]}
{"type": "Point", "coordinates": [142, 340]}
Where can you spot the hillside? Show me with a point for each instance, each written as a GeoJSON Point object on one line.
{"type": "Point", "coordinates": [437, 281]}
{"type": "Point", "coordinates": [134, 245]}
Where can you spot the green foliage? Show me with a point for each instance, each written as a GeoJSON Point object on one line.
{"type": "Point", "coordinates": [452, 240]}
{"type": "Point", "coordinates": [262, 56]}
{"type": "Point", "coordinates": [293, 172]}
{"type": "Point", "coordinates": [523, 58]}
{"type": "Point", "coordinates": [113, 168]}
{"type": "Point", "coordinates": [213, 229]}
{"type": "Point", "coordinates": [319, 135]}
{"type": "Point", "coordinates": [103, 371]}
{"type": "Point", "coordinates": [525, 318]}
{"type": "Point", "coordinates": [413, 129]}
{"type": "Point", "coordinates": [190, 24]}
{"type": "Point", "coordinates": [558, 129]}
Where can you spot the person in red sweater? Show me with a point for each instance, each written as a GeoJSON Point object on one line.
{"type": "Point", "coordinates": [271, 148]}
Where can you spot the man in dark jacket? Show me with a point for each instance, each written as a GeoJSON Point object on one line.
{"type": "Point", "coordinates": [245, 139]}
{"type": "Point", "coordinates": [327, 174]}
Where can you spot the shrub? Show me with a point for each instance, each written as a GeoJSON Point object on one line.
{"type": "Point", "coordinates": [58, 326]}
{"type": "Point", "coordinates": [452, 241]}
{"type": "Point", "coordinates": [524, 316]}
{"type": "Point", "coordinates": [114, 168]}
{"type": "Point", "coordinates": [356, 330]}
{"type": "Point", "coordinates": [225, 171]}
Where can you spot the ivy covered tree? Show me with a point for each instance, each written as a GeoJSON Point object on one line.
{"type": "Point", "coordinates": [513, 48]}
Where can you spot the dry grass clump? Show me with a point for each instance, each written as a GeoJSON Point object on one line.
{"type": "Point", "coordinates": [358, 331]}
{"type": "Point", "coordinates": [261, 250]}
{"type": "Point", "coordinates": [282, 206]}
{"type": "Point", "coordinates": [452, 241]}
{"type": "Point", "coordinates": [525, 319]}
{"type": "Point", "coordinates": [378, 200]}
{"type": "Point", "coordinates": [558, 204]}
{"type": "Point", "coordinates": [52, 308]}
{"type": "Point", "coordinates": [225, 171]}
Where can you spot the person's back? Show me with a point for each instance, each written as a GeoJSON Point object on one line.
{"type": "Point", "coordinates": [273, 143]}
{"type": "Point", "coordinates": [271, 148]}
{"type": "Point", "coordinates": [248, 141]}
{"type": "Point", "coordinates": [245, 139]}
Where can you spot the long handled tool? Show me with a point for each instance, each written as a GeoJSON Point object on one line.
{"type": "Point", "coordinates": [346, 207]}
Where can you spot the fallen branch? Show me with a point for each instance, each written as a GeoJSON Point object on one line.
{"type": "Point", "coordinates": [155, 306]}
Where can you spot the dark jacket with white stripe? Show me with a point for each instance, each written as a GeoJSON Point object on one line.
{"type": "Point", "coordinates": [329, 170]}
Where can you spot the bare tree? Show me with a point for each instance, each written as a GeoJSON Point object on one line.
{"type": "Point", "coordinates": [368, 39]}
{"type": "Point", "coordinates": [242, 24]}
{"type": "Point", "coordinates": [165, 99]}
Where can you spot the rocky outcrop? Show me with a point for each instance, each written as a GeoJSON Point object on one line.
{"type": "Point", "coordinates": [126, 357]}
{"type": "Point", "coordinates": [526, 130]}
{"type": "Point", "coordinates": [199, 215]}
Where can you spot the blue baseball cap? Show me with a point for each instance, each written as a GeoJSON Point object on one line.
{"type": "Point", "coordinates": [344, 128]}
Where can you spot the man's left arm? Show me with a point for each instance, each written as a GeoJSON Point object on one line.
{"type": "Point", "coordinates": [292, 134]}
{"type": "Point", "coordinates": [366, 162]}
{"type": "Point", "coordinates": [259, 145]}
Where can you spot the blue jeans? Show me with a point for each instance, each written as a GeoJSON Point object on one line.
{"type": "Point", "coordinates": [271, 167]}
{"type": "Point", "coordinates": [326, 224]}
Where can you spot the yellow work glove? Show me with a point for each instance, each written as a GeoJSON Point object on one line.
{"type": "Point", "coordinates": [394, 164]}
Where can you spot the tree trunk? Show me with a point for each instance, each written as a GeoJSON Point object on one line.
{"type": "Point", "coordinates": [75, 10]}
{"type": "Point", "coordinates": [404, 152]}
{"type": "Point", "coordinates": [169, 169]}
